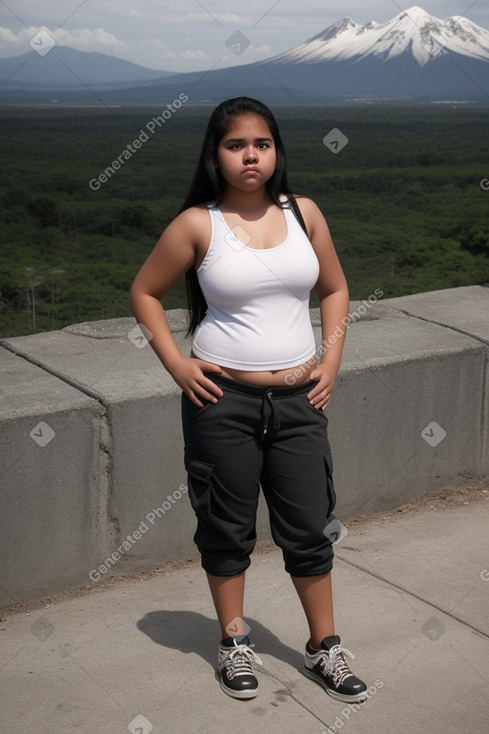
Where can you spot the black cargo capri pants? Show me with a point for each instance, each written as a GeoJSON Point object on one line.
{"type": "Point", "coordinates": [268, 436]}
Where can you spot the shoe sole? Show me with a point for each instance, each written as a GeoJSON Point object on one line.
{"type": "Point", "coordinates": [356, 698]}
{"type": "Point", "coordinates": [239, 694]}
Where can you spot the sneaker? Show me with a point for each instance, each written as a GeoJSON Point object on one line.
{"type": "Point", "coordinates": [235, 663]}
{"type": "Point", "coordinates": [328, 667]}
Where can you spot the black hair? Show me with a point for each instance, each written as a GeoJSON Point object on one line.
{"type": "Point", "coordinates": [208, 184]}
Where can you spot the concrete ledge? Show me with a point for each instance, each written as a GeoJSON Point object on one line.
{"type": "Point", "coordinates": [409, 414]}
{"type": "Point", "coordinates": [462, 309]}
{"type": "Point", "coordinates": [53, 522]}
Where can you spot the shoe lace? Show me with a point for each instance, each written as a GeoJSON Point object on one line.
{"type": "Point", "coordinates": [239, 660]}
{"type": "Point", "coordinates": [334, 664]}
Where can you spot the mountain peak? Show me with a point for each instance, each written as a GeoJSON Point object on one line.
{"type": "Point", "coordinates": [341, 26]}
{"type": "Point", "coordinates": [416, 12]}
{"type": "Point", "coordinates": [412, 31]}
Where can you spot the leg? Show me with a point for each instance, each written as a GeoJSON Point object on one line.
{"type": "Point", "coordinates": [235, 657]}
{"type": "Point", "coordinates": [316, 595]}
{"type": "Point", "coordinates": [325, 658]}
{"type": "Point", "coordinates": [228, 594]}
{"type": "Point", "coordinates": [223, 462]}
{"type": "Point", "coordinates": [298, 486]}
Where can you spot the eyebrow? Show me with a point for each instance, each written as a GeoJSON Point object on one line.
{"type": "Point", "coordinates": [243, 140]}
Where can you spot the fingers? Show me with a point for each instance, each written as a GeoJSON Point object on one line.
{"type": "Point", "coordinates": [212, 390]}
{"type": "Point", "coordinates": [208, 366]}
{"type": "Point", "coordinates": [199, 388]}
{"type": "Point", "coordinates": [321, 401]}
{"type": "Point", "coordinates": [320, 395]}
{"type": "Point", "coordinates": [209, 390]}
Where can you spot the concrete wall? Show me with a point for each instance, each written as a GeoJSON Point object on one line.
{"type": "Point", "coordinates": [91, 444]}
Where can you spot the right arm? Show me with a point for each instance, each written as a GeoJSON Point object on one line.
{"type": "Point", "coordinates": [174, 254]}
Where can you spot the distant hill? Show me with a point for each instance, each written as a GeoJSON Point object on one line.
{"type": "Point", "coordinates": [66, 68]}
{"type": "Point", "coordinates": [412, 57]}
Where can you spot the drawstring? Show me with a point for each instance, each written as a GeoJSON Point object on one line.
{"type": "Point", "coordinates": [269, 410]}
{"type": "Point", "coordinates": [276, 417]}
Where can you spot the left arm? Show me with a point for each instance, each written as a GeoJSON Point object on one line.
{"type": "Point", "coordinates": [332, 290]}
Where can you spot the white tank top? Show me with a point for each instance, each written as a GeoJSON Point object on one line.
{"type": "Point", "coordinates": [258, 300]}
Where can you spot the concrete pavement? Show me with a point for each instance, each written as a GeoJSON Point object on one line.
{"type": "Point", "coordinates": [138, 654]}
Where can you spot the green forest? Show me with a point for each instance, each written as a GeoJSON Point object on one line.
{"type": "Point", "coordinates": [403, 200]}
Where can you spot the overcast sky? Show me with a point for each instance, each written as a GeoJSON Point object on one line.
{"type": "Point", "coordinates": [190, 35]}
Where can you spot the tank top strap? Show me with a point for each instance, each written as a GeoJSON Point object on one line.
{"type": "Point", "coordinates": [216, 215]}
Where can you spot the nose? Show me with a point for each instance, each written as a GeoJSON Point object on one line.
{"type": "Point", "coordinates": [250, 155]}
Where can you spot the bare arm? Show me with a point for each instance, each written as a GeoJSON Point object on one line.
{"type": "Point", "coordinates": [173, 255]}
{"type": "Point", "coordinates": [332, 290]}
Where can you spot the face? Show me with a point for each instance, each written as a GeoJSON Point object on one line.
{"type": "Point", "coordinates": [246, 154]}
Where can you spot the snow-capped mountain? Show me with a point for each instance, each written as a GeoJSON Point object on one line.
{"type": "Point", "coordinates": [413, 30]}
{"type": "Point", "coordinates": [414, 57]}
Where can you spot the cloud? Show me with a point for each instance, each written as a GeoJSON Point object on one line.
{"type": "Point", "coordinates": [6, 36]}
{"type": "Point", "coordinates": [187, 55]}
{"type": "Point", "coordinates": [84, 39]}
{"type": "Point", "coordinates": [87, 39]}
{"type": "Point", "coordinates": [263, 50]}
{"type": "Point", "coordinates": [193, 54]}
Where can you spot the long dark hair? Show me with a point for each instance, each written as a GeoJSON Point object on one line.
{"type": "Point", "coordinates": [208, 184]}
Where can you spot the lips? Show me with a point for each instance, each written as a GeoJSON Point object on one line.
{"type": "Point", "coordinates": [251, 170]}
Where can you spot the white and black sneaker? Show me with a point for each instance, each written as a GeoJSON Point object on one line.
{"type": "Point", "coordinates": [328, 667]}
{"type": "Point", "coordinates": [235, 663]}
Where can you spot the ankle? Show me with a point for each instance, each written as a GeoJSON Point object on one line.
{"type": "Point", "coordinates": [316, 643]}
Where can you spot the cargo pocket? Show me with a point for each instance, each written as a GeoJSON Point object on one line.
{"type": "Point", "coordinates": [328, 461]}
{"type": "Point", "coordinates": [199, 486]}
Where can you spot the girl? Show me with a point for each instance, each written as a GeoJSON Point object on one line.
{"type": "Point", "coordinates": [254, 395]}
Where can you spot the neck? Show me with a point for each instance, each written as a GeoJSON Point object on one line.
{"type": "Point", "coordinates": [245, 201]}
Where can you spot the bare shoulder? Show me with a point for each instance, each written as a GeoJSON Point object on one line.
{"type": "Point", "coordinates": [191, 230]}
{"type": "Point", "coordinates": [193, 221]}
{"type": "Point", "coordinates": [308, 207]}
{"type": "Point", "coordinates": [313, 217]}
